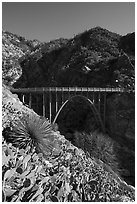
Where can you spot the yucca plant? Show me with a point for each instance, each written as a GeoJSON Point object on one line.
{"type": "Point", "coordinates": [32, 131]}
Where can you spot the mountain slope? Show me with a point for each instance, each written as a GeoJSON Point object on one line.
{"type": "Point", "coordinates": [94, 58]}
{"type": "Point", "coordinates": [66, 175]}
{"type": "Point", "coordinates": [16, 48]}
{"type": "Point", "coordinates": [13, 48]}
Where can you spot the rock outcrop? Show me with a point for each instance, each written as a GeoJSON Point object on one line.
{"type": "Point", "coordinates": [12, 108]}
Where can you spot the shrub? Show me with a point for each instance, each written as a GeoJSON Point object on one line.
{"type": "Point", "coordinates": [31, 131]}
{"type": "Point", "coordinates": [99, 146]}
{"type": "Point", "coordinates": [70, 177]}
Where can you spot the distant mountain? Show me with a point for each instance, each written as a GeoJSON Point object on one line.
{"type": "Point", "coordinates": [13, 48]}
{"type": "Point", "coordinates": [96, 58]}
{"type": "Point", "coordinates": [127, 43]}
{"type": "Point", "coordinates": [16, 48]}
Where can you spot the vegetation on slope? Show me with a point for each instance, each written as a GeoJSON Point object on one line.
{"type": "Point", "coordinates": [93, 58]}
{"type": "Point", "coordinates": [71, 176]}
{"type": "Point", "coordinates": [89, 59]}
{"type": "Point", "coordinates": [65, 174]}
{"type": "Point", "coordinates": [16, 48]}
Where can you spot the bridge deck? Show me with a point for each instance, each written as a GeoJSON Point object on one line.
{"type": "Point", "coordinates": [66, 89]}
{"type": "Point", "coordinates": [52, 99]}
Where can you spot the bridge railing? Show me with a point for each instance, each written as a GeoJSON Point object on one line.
{"type": "Point", "coordinates": [66, 89]}
{"type": "Point", "coordinates": [42, 99]}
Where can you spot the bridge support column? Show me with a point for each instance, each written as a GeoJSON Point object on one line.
{"type": "Point", "coordinates": [50, 106]}
{"type": "Point", "coordinates": [37, 103]}
{"type": "Point", "coordinates": [99, 102]}
{"type": "Point", "coordinates": [30, 100]}
{"type": "Point", "coordinates": [62, 96]}
{"type": "Point", "coordinates": [104, 114]}
{"type": "Point", "coordinates": [68, 92]}
{"type": "Point", "coordinates": [56, 100]}
{"type": "Point", "coordinates": [44, 110]}
{"type": "Point", "coordinates": [93, 95]}
{"type": "Point", "coordinates": [87, 92]}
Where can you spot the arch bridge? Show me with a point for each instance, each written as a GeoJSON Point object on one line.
{"type": "Point", "coordinates": [50, 101]}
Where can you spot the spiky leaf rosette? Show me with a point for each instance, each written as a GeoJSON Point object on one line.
{"type": "Point", "coordinates": [32, 131]}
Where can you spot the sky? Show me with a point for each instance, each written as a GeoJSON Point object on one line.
{"type": "Point", "coordinates": [47, 21]}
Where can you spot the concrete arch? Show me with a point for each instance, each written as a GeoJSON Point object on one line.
{"type": "Point", "coordinates": [91, 105]}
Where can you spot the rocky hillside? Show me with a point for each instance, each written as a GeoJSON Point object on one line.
{"type": "Point", "coordinates": [59, 173]}
{"type": "Point", "coordinates": [16, 48]}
